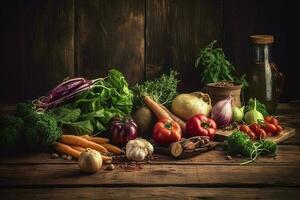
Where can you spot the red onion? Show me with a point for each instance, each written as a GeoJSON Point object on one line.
{"type": "Point", "coordinates": [222, 112]}
{"type": "Point", "coordinates": [122, 130]}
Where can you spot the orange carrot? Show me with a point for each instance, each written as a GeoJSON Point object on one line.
{"type": "Point", "coordinates": [81, 149]}
{"type": "Point", "coordinates": [98, 140]}
{"type": "Point", "coordinates": [79, 141]}
{"type": "Point", "coordinates": [181, 123]}
{"type": "Point", "coordinates": [113, 149]}
{"type": "Point", "coordinates": [77, 148]}
{"type": "Point", "coordinates": [155, 107]}
{"type": "Point", "coordinates": [66, 149]}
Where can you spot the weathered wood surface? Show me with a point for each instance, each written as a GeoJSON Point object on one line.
{"type": "Point", "coordinates": [175, 32]}
{"type": "Point", "coordinates": [151, 175]}
{"type": "Point", "coordinates": [287, 155]}
{"type": "Point", "coordinates": [110, 34]}
{"type": "Point", "coordinates": [37, 50]}
{"type": "Point", "coordinates": [156, 193]}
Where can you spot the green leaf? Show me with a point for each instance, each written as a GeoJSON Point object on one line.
{"type": "Point", "coordinates": [78, 128]}
{"type": "Point", "coordinates": [64, 114]}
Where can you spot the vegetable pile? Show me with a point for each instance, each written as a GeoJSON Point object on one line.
{"type": "Point", "coordinates": [73, 115]}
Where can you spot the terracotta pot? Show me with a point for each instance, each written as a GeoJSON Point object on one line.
{"type": "Point", "coordinates": [219, 92]}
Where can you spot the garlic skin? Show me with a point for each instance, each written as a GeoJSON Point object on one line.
{"type": "Point", "coordinates": [138, 149]}
{"type": "Point", "coordinates": [90, 161]}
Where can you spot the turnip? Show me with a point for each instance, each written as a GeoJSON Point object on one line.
{"type": "Point", "coordinates": [188, 105]}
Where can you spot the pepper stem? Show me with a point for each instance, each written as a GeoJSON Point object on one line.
{"type": "Point", "coordinates": [168, 125]}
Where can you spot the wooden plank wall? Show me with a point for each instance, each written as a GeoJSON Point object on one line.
{"type": "Point", "coordinates": [43, 42]}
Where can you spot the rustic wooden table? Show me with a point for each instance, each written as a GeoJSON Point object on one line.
{"type": "Point", "coordinates": [208, 175]}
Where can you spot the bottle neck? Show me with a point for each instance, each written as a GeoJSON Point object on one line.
{"type": "Point", "coordinates": [261, 53]}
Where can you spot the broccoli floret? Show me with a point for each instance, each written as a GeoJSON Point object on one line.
{"type": "Point", "coordinates": [10, 134]}
{"type": "Point", "coordinates": [41, 131]}
{"type": "Point", "coordinates": [24, 109]}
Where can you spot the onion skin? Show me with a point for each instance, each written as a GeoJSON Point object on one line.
{"type": "Point", "coordinates": [222, 112]}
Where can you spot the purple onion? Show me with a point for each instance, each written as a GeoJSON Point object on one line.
{"type": "Point", "coordinates": [222, 112]}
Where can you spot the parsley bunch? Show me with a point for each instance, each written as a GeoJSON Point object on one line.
{"type": "Point", "coordinates": [215, 66]}
{"type": "Point", "coordinates": [239, 143]}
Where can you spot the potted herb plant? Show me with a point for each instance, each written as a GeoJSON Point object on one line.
{"type": "Point", "coordinates": [218, 74]}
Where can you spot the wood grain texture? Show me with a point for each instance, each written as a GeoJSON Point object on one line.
{"type": "Point", "coordinates": [110, 34]}
{"type": "Point", "coordinates": [150, 175]}
{"type": "Point", "coordinates": [287, 155]}
{"type": "Point", "coordinates": [151, 193]}
{"type": "Point", "coordinates": [37, 47]}
{"type": "Point", "coordinates": [175, 32]}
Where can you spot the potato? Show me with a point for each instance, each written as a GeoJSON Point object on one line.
{"type": "Point", "coordinates": [145, 119]}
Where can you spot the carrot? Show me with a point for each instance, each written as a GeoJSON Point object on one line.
{"type": "Point", "coordinates": [66, 149]}
{"type": "Point", "coordinates": [181, 123]}
{"type": "Point", "coordinates": [98, 140]}
{"type": "Point", "coordinates": [79, 141]}
{"type": "Point", "coordinates": [78, 148]}
{"type": "Point", "coordinates": [81, 149]}
{"type": "Point", "coordinates": [155, 107]}
{"type": "Point", "coordinates": [106, 158]}
{"type": "Point", "coordinates": [113, 149]}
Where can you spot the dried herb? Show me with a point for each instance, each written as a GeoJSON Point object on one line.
{"type": "Point", "coordinates": [162, 90]}
{"type": "Point", "coordinates": [215, 67]}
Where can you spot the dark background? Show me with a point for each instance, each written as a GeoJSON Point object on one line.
{"type": "Point", "coordinates": [44, 41]}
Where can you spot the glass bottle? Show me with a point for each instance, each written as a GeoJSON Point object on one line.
{"type": "Point", "coordinates": [265, 81]}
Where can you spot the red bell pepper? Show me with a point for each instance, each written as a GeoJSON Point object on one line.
{"type": "Point", "coordinates": [166, 131]}
{"type": "Point", "coordinates": [200, 125]}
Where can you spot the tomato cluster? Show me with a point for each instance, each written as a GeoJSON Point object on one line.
{"type": "Point", "coordinates": [270, 127]}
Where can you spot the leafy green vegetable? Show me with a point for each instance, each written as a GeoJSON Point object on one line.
{"type": "Point", "coordinates": [215, 66]}
{"type": "Point", "coordinates": [163, 89]}
{"type": "Point", "coordinates": [259, 107]}
{"type": "Point", "coordinates": [78, 128]}
{"type": "Point", "coordinates": [64, 114]}
{"type": "Point", "coordinates": [239, 143]}
{"type": "Point", "coordinates": [24, 109]}
{"type": "Point", "coordinates": [91, 110]}
{"type": "Point", "coordinates": [40, 131]}
{"type": "Point", "coordinates": [10, 134]}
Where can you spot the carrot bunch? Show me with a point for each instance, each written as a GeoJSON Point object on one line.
{"type": "Point", "coordinates": [73, 145]}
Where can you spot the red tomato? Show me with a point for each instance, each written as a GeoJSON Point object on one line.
{"type": "Point", "coordinates": [245, 128]}
{"type": "Point", "coordinates": [200, 125]}
{"type": "Point", "coordinates": [270, 128]}
{"type": "Point", "coordinates": [261, 134]}
{"type": "Point", "coordinates": [268, 119]}
{"type": "Point", "coordinates": [166, 131]}
{"type": "Point", "coordinates": [274, 121]}
{"type": "Point", "coordinates": [254, 128]}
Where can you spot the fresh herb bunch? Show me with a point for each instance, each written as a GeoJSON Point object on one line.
{"type": "Point", "coordinates": [163, 89]}
{"type": "Point", "coordinates": [215, 66]}
{"type": "Point", "coordinates": [240, 143]}
{"type": "Point", "coordinates": [259, 107]}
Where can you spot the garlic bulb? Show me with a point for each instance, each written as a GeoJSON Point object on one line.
{"type": "Point", "coordinates": [90, 161]}
{"type": "Point", "coordinates": [138, 149]}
